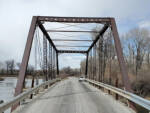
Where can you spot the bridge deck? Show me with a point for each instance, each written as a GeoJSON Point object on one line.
{"type": "Point", "coordinates": [71, 96]}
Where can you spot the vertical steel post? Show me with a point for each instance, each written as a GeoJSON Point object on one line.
{"type": "Point", "coordinates": [99, 58]}
{"type": "Point", "coordinates": [54, 63]}
{"type": "Point", "coordinates": [57, 63]}
{"type": "Point", "coordinates": [89, 71]}
{"type": "Point", "coordinates": [86, 68]}
{"type": "Point", "coordinates": [45, 57]}
{"type": "Point", "coordinates": [51, 63]}
{"type": "Point", "coordinates": [92, 63]}
{"type": "Point", "coordinates": [95, 62]}
{"type": "Point", "coordinates": [52, 59]}
{"type": "Point", "coordinates": [25, 59]}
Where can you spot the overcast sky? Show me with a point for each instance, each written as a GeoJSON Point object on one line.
{"type": "Point", "coordinates": [15, 19]}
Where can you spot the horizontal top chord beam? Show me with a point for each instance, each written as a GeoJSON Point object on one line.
{"type": "Point", "coordinates": [71, 40]}
{"type": "Point", "coordinates": [71, 51]}
{"type": "Point", "coordinates": [75, 19]}
{"type": "Point", "coordinates": [68, 31]}
{"type": "Point", "coordinates": [70, 46]}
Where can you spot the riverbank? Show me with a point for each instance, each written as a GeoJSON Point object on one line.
{"type": "Point", "coordinates": [1, 79]}
{"type": "Point", "coordinates": [28, 76]}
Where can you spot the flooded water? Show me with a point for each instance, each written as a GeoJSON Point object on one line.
{"type": "Point", "coordinates": [7, 88]}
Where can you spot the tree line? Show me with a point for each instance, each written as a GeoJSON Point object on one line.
{"type": "Point", "coordinates": [136, 50]}
{"type": "Point", "coordinates": [136, 46]}
{"type": "Point", "coordinates": [70, 71]}
{"type": "Point", "coordinates": [10, 68]}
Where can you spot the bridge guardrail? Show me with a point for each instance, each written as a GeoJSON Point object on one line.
{"type": "Point", "coordinates": [130, 96]}
{"type": "Point", "coordinates": [24, 95]}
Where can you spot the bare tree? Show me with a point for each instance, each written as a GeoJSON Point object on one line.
{"type": "Point", "coordinates": [82, 66]}
{"type": "Point", "coordinates": [10, 65]}
{"type": "Point", "coordinates": [30, 69]}
{"type": "Point", "coordinates": [1, 68]}
{"type": "Point", "coordinates": [1, 65]}
{"type": "Point", "coordinates": [69, 71]}
{"type": "Point", "coordinates": [7, 66]}
{"type": "Point", "coordinates": [139, 40]}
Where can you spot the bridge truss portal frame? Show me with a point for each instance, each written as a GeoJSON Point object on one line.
{"type": "Point", "coordinates": [38, 21]}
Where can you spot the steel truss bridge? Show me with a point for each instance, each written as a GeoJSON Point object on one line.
{"type": "Point", "coordinates": [51, 52]}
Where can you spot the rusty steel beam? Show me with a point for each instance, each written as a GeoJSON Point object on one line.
{"type": "Point", "coordinates": [45, 60]}
{"type": "Point", "coordinates": [121, 60]}
{"type": "Point", "coordinates": [46, 34]}
{"type": "Point", "coordinates": [70, 31]}
{"type": "Point", "coordinates": [119, 52]}
{"type": "Point", "coordinates": [72, 40]}
{"type": "Point", "coordinates": [50, 62]}
{"type": "Point", "coordinates": [86, 66]}
{"type": "Point", "coordinates": [57, 63]}
{"type": "Point", "coordinates": [74, 19]}
{"type": "Point", "coordinates": [71, 51]}
{"type": "Point", "coordinates": [70, 46]}
{"type": "Point", "coordinates": [25, 59]}
{"type": "Point", "coordinates": [98, 36]}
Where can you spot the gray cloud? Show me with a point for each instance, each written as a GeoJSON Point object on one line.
{"type": "Point", "coordinates": [16, 17]}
